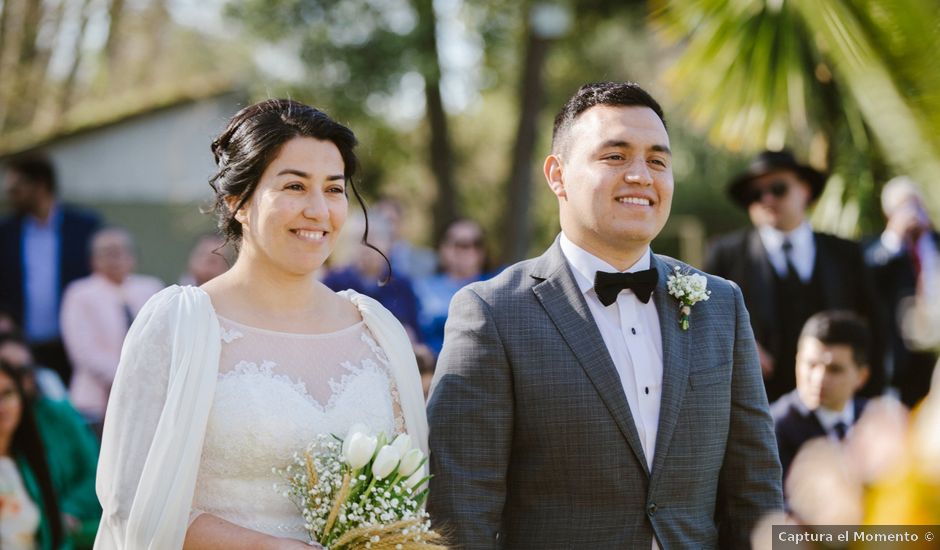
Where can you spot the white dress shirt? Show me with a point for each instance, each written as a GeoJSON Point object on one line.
{"type": "Point", "coordinates": [630, 330]}
{"type": "Point", "coordinates": [41, 242]}
{"type": "Point", "coordinates": [803, 254]}
{"type": "Point", "coordinates": [829, 418]}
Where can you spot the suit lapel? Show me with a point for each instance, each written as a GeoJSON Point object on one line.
{"type": "Point", "coordinates": [814, 427]}
{"type": "Point", "coordinates": [562, 299]}
{"type": "Point", "coordinates": [676, 362]}
{"type": "Point", "coordinates": [762, 288]}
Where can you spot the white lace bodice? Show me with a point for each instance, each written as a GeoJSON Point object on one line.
{"type": "Point", "coordinates": [275, 393]}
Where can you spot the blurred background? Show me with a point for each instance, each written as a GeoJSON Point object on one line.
{"type": "Point", "coordinates": [453, 101]}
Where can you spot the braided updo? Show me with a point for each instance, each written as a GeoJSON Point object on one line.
{"type": "Point", "coordinates": [253, 139]}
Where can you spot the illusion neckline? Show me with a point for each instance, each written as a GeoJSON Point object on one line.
{"type": "Point", "coordinates": [314, 335]}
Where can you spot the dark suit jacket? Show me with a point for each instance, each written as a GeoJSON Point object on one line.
{"type": "Point", "coordinates": [895, 279]}
{"type": "Point", "coordinates": [74, 235]}
{"type": "Point", "coordinates": [533, 444]}
{"type": "Point", "coordinates": [840, 268]}
{"type": "Point", "coordinates": [794, 425]}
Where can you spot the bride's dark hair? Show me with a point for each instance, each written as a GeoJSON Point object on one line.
{"type": "Point", "coordinates": [253, 139]}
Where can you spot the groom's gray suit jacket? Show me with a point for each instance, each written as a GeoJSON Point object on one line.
{"type": "Point", "coordinates": [533, 444]}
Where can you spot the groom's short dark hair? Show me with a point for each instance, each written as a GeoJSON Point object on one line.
{"type": "Point", "coordinates": [617, 94]}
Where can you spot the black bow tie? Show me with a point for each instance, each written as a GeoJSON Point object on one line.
{"type": "Point", "coordinates": [608, 285]}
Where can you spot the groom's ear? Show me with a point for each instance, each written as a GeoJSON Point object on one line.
{"type": "Point", "coordinates": [553, 175]}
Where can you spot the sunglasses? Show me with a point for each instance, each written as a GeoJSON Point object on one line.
{"type": "Point", "coordinates": [778, 189]}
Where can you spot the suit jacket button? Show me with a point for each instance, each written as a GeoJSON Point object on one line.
{"type": "Point", "coordinates": [651, 509]}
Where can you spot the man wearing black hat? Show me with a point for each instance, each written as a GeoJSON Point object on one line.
{"type": "Point", "coordinates": [786, 270]}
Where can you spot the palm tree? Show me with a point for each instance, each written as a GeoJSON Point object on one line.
{"type": "Point", "coordinates": [851, 84]}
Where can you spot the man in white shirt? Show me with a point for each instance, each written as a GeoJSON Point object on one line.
{"type": "Point", "coordinates": [577, 403]}
{"type": "Point", "coordinates": [96, 313]}
{"type": "Point", "coordinates": [786, 270]}
{"type": "Point", "coordinates": [831, 366]}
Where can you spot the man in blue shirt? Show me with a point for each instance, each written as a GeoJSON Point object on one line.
{"type": "Point", "coordinates": [43, 247]}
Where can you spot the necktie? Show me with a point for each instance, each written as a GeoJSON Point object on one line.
{"type": "Point", "coordinates": [608, 285]}
{"type": "Point", "coordinates": [128, 314]}
{"type": "Point", "coordinates": [914, 253]}
{"type": "Point", "coordinates": [792, 275]}
{"type": "Point", "coordinates": [840, 429]}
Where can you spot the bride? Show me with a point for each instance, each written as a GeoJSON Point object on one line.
{"type": "Point", "coordinates": [220, 384]}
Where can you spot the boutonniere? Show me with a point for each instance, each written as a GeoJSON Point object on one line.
{"type": "Point", "coordinates": [689, 289]}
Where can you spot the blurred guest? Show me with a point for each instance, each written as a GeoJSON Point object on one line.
{"type": "Point", "coordinates": [207, 260]}
{"type": "Point", "coordinates": [96, 313]}
{"type": "Point", "coordinates": [909, 492]}
{"type": "Point", "coordinates": [412, 261]}
{"type": "Point", "coordinates": [71, 448]}
{"type": "Point", "coordinates": [904, 260]}
{"type": "Point", "coordinates": [831, 366]}
{"type": "Point", "coordinates": [15, 350]}
{"type": "Point", "coordinates": [886, 472]}
{"type": "Point", "coordinates": [786, 270]}
{"type": "Point", "coordinates": [28, 504]}
{"type": "Point", "coordinates": [368, 273]}
{"type": "Point", "coordinates": [461, 261]}
{"type": "Point", "coordinates": [43, 248]}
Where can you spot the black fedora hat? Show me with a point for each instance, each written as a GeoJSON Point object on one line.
{"type": "Point", "coordinates": [774, 161]}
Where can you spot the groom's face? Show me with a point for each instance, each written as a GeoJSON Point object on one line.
{"type": "Point", "coordinates": [613, 179]}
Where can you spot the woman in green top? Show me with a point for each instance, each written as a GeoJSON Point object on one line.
{"type": "Point", "coordinates": [27, 498]}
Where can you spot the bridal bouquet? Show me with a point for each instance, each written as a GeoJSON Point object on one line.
{"type": "Point", "coordinates": [362, 492]}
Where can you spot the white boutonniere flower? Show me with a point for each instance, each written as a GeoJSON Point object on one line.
{"type": "Point", "coordinates": [689, 289]}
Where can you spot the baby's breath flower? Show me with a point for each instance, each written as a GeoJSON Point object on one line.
{"type": "Point", "coordinates": [689, 289]}
{"type": "Point", "coordinates": [319, 475]}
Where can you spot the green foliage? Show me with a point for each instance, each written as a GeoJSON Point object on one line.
{"type": "Point", "coordinates": [849, 84]}
{"type": "Point", "coordinates": [351, 49]}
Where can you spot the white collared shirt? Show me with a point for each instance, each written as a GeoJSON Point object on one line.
{"type": "Point", "coordinates": [631, 331]}
{"type": "Point", "coordinates": [829, 418]}
{"type": "Point", "coordinates": [803, 253]}
{"type": "Point", "coordinates": [41, 266]}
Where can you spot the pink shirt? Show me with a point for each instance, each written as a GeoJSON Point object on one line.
{"type": "Point", "coordinates": [94, 323]}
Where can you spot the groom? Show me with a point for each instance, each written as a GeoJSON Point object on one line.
{"type": "Point", "coordinates": [570, 409]}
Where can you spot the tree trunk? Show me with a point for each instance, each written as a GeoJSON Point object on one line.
{"type": "Point", "coordinates": [38, 76]}
{"type": "Point", "coordinates": [15, 96]}
{"type": "Point", "coordinates": [439, 147]}
{"type": "Point", "coordinates": [31, 22]}
{"type": "Point", "coordinates": [4, 17]}
{"type": "Point", "coordinates": [115, 17]}
{"type": "Point", "coordinates": [5, 73]}
{"type": "Point", "coordinates": [67, 92]}
{"type": "Point", "coordinates": [517, 213]}
{"type": "Point", "coordinates": [157, 20]}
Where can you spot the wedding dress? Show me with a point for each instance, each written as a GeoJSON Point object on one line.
{"type": "Point", "coordinates": [275, 393]}
{"type": "Point", "coordinates": [203, 408]}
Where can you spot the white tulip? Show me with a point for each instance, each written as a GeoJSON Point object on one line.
{"type": "Point", "coordinates": [359, 428]}
{"type": "Point", "coordinates": [410, 462]}
{"type": "Point", "coordinates": [385, 462]}
{"type": "Point", "coordinates": [402, 443]}
{"type": "Point", "coordinates": [412, 481]}
{"type": "Point", "coordinates": [360, 450]}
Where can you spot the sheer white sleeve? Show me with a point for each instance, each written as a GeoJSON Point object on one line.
{"type": "Point", "coordinates": [392, 338]}
{"type": "Point", "coordinates": [155, 422]}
